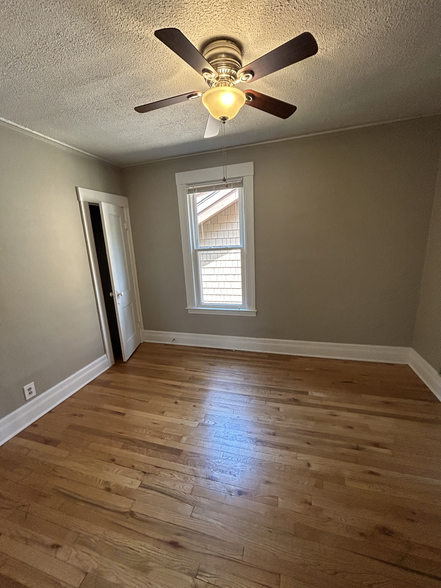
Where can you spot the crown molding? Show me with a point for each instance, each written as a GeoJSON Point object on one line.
{"type": "Point", "coordinates": [283, 139]}
{"type": "Point", "coordinates": [9, 123]}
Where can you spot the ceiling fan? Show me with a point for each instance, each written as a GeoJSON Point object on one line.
{"type": "Point", "coordinates": [220, 63]}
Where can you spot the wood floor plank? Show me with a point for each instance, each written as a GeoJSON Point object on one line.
{"type": "Point", "coordinates": [43, 562]}
{"type": "Point", "coordinates": [201, 468]}
{"type": "Point", "coordinates": [287, 582]}
{"type": "Point", "coordinates": [29, 576]}
{"type": "Point", "coordinates": [6, 582]}
{"type": "Point", "coordinates": [92, 581]}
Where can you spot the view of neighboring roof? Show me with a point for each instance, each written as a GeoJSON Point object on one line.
{"type": "Point", "coordinates": [211, 203]}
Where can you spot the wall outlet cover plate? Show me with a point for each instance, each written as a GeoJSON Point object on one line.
{"type": "Point", "coordinates": [29, 391]}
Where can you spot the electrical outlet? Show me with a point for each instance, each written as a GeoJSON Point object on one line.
{"type": "Point", "coordinates": [29, 391]}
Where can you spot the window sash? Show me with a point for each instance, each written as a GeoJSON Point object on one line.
{"type": "Point", "coordinates": [193, 221]}
{"type": "Point", "coordinates": [196, 248]}
{"type": "Point", "coordinates": [217, 247]}
{"type": "Point", "coordinates": [200, 295]}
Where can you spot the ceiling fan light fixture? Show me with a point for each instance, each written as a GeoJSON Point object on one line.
{"type": "Point", "coordinates": [223, 102]}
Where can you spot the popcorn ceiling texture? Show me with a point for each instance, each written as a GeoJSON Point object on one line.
{"type": "Point", "coordinates": [74, 70]}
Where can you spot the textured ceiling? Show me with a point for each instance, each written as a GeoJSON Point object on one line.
{"type": "Point", "coordinates": [74, 70]}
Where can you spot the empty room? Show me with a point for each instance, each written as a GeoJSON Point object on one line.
{"type": "Point", "coordinates": [220, 312]}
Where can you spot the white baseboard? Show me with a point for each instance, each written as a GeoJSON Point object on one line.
{"type": "Point", "coordinates": [24, 416]}
{"type": "Point", "coordinates": [377, 353]}
{"type": "Point", "coordinates": [425, 372]}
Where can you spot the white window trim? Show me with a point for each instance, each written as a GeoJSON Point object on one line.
{"type": "Point", "coordinates": [245, 171]}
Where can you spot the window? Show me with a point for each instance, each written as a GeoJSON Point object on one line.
{"type": "Point", "coordinates": [217, 231]}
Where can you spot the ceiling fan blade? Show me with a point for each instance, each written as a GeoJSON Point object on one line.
{"type": "Point", "coordinates": [178, 42]}
{"type": "Point", "coordinates": [168, 101]}
{"type": "Point", "coordinates": [213, 127]}
{"type": "Point", "coordinates": [295, 50]}
{"type": "Point", "coordinates": [269, 104]}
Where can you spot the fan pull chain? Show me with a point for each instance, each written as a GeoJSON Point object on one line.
{"type": "Point", "coordinates": [224, 152]}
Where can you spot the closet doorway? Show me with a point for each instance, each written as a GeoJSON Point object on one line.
{"type": "Point", "coordinates": [109, 243]}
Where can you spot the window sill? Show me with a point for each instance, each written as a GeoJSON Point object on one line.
{"type": "Point", "coordinates": [224, 311]}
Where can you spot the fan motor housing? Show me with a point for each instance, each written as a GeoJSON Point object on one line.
{"type": "Point", "coordinates": [225, 56]}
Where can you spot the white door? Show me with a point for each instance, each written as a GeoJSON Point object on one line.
{"type": "Point", "coordinates": [115, 233]}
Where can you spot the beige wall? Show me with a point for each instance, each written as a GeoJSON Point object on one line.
{"type": "Point", "coordinates": [427, 338]}
{"type": "Point", "coordinates": [49, 327]}
{"type": "Point", "coordinates": [341, 225]}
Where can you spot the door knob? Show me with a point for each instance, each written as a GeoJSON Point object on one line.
{"type": "Point", "coordinates": [111, 294]}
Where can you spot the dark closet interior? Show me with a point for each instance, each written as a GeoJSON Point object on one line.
{"type": "Point", "coordinates": [103, 263]}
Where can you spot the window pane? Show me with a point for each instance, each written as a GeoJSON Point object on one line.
{"type": "Point", "coordinates": [221, 277]}
{"type": "Point", "coordinates": [218, 217]}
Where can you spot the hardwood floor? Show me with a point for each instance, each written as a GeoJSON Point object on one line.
{"type": "Point", "coordinates": [203, 468]}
